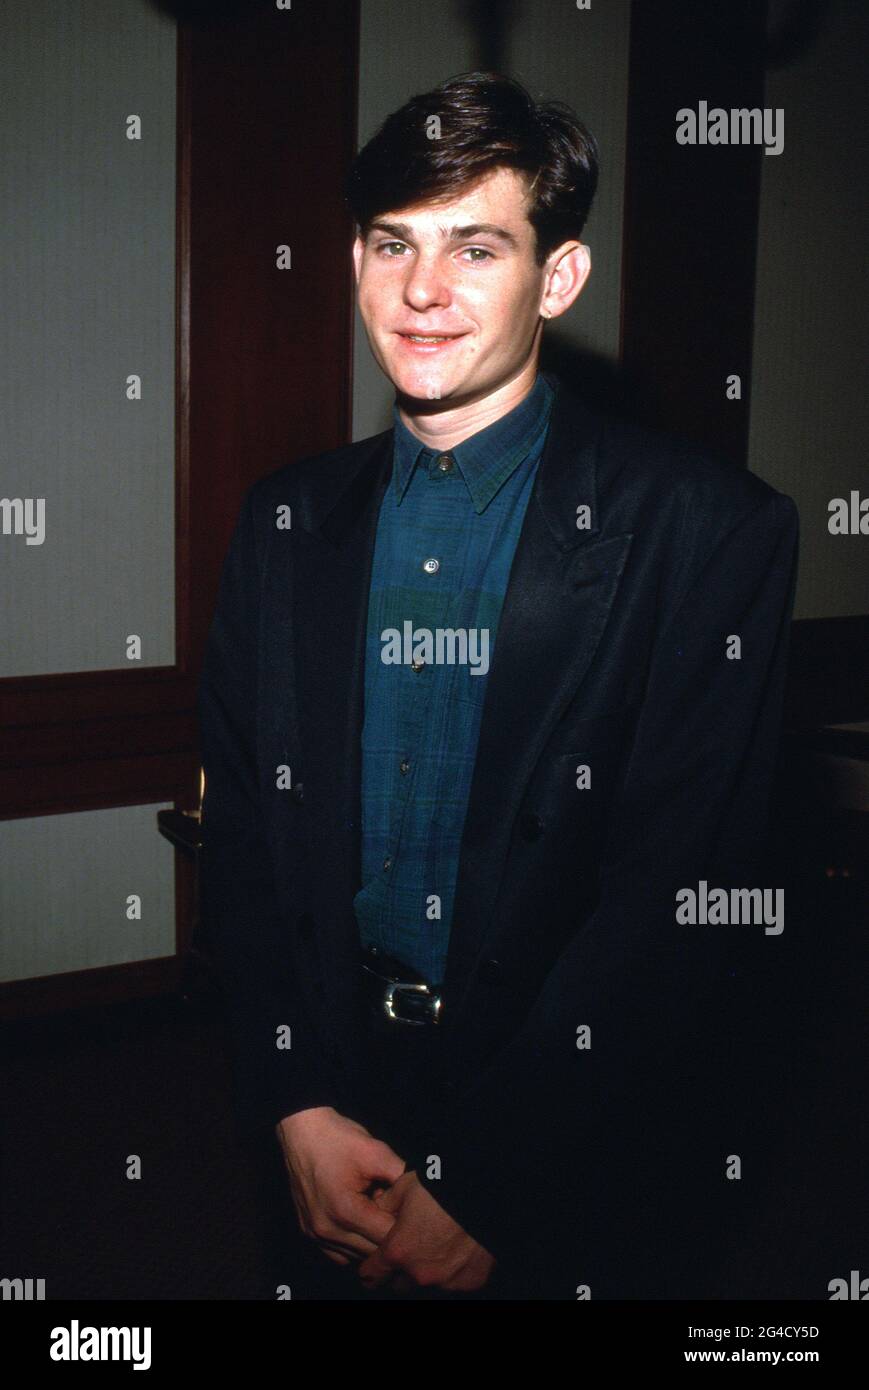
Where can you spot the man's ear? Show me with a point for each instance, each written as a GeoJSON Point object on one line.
{"type": "Point", "coordinates": [569, 268]}
{"type": "Point", "coordinates": [358, 252]}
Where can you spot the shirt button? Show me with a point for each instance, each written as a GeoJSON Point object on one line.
{"type": "Point", "coordinates": [445, 462]}
{"type": "Point", "coordinates": [416, 665]}
{"type": "Point", "coordinates": [404, 766]}
{"type": "Point", "coordinates": [387, 861]}
{"type": "Point", "coordinates": [431, 566]}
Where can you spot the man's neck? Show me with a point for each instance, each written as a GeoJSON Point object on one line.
{"type": "Point", "coordinates": [444, 429]}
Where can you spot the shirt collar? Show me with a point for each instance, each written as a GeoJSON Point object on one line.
{"type": "Point", "coordinates": [486, 459]}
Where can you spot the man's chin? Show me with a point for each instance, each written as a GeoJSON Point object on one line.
{"type": "Point", "coordinates": [429, 395]}
{"type": "Point", "coordinates": [426, 405]}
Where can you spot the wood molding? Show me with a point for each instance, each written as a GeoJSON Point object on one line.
{"type": "Point", "coordinates": [109, 984]}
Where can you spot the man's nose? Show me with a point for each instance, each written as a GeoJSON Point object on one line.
{"type": "Point", "coordinates": [426, 284]}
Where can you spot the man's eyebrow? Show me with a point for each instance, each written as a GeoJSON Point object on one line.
{"type": "Point", "coordinates": [483, 229]}
{"type": "Point", "coordinates": [405, 233]}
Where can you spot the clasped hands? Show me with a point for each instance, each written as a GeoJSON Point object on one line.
{"type": "Point", "coordinates": [353, 1196]}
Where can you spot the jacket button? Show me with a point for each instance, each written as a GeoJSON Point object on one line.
{"type": "Point", "coordinates": [491, 970]}
{"type": "Point", "coordinates": [530, 826]}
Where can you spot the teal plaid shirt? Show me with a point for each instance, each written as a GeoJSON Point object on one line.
{"type": "Point", "coordinates": [446, 535]}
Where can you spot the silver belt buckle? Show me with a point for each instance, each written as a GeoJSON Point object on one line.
{"type": "Point", "coordinates": [394, 987]}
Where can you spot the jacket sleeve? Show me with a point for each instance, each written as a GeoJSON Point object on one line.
{"type": "Point", "coordinates": [245, 929]}
{"type": "Point", "coordinates": [553, 1143]}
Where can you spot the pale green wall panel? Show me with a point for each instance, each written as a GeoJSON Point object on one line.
{"type": "Point", "coordinates": [64, 884]}
{"type": "Point", "coordinates": [87, 265]}
{"type": "Point", "coordinates": [809, 403]}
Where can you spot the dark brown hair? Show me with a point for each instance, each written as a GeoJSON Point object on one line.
{"type": "Point", "coordinates": [486, 122]}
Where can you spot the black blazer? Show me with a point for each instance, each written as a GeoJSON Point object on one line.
{"type": "Point", "coordinates": [603, 1165]}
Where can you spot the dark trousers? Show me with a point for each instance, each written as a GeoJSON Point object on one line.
{"type": "Point", "coordinates": [400, 1061]}
{"type": "Point", "coordinates": [663, 1245]}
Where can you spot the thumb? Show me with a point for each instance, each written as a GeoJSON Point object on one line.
{"type": "Point", "coordinates": [383, 1162]}
{"type": "Point", "coordinates": [368, 1218]}
{"type": "Point", "coordinates": [390, 1199]}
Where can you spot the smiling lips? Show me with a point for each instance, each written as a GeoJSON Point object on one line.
{"type": "Point", "coordinates": [428, 342]}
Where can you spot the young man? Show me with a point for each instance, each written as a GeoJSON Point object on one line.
{"type": "Point", "coordinates": [477, 724]}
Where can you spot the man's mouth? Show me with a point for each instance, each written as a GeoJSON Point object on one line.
{"type": "Point", "coordinates": [432, 341]}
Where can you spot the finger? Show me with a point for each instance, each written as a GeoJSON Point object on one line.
{"type": "Point", "coordinates": [375, 1270]}
{"type": "Point", "coordinates": [390, 1198]}
{"type": "Point", "coordinates": [384, 1163]}
{"type": "Point", "coordinates": [402, 1283]}
{"type": "Point", "coordinates": [347, 1242]}
{"type": "Point", "coordinates": [335, 1256]}
{"type": "Point", "coordinates": [364, 1220]}
{"type": "Point", "coordinates": [348, 1256]}
{"type": "Point", "coordinates": [375, 1191]}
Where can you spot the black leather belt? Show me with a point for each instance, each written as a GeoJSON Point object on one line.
{"type": "Point", "coordinates": [397, 993]}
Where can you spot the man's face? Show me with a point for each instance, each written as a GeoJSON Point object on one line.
{"type": "Point", "coordinates": [462, 273]}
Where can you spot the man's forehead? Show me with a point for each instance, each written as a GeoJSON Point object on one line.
{"type": "Point", "coordinates": [501, 196]}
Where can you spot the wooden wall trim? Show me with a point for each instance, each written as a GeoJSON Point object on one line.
{"type": "Point", "coordinates": [109, 984]}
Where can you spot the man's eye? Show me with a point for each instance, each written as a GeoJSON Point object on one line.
{"type": "Point", "coordinates": [478, 254]}
{"type": "Point", "coordinates": [389, 246]}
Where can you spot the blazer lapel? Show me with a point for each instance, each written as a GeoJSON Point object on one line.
{"type": "Point", "coordinates": [562, 586]}
{"type": "Point", "coordinates": [332, 563]}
